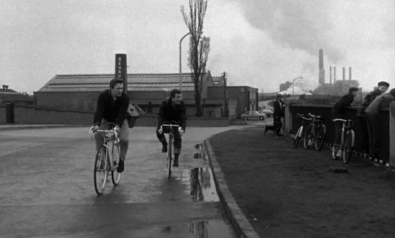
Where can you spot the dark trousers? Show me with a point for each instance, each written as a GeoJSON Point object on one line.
{"type": "Point", "coordinates": [276, 127]}
{"type": "Point", "coordinates": [373, 123]}
{"type": "Point", "coordinates": [364, 134]}
{"type": "Point", "coordinates": [177, 140]}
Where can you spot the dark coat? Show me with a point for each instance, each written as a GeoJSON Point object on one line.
{"type": "Point", "coordinates": [278, 108]}
{"type": "Point", "coordinates": [110, 110]}
{"type": "Point", "coordinates": [168, 112]}
{"type": "Point", "coordinates": [340, 106]}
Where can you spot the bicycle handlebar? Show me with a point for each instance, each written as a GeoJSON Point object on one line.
{"type": "Point", "coordinates": [104, 131]}
{"type": "Point", "coordinates": [342, 120]}
{"type": "Point", "coordinates": [303, 117]}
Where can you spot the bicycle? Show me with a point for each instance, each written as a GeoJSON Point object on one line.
{"type": "Point", "coordinates": [106, 160]}
{"type": "Point", "coordinates": [168, 128]}
{"type": "Point", "coordinates": [347, 140]}
{"type": "Point", "coordinates": [300, 131]}
{"type": "Point", "coordinates": [315, 133]}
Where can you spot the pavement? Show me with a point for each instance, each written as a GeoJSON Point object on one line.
{"type": "Point", "coordinates": [47, 187]}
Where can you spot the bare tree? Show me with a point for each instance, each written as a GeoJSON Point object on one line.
{"type": "Point", "coordinates": [199, 48]}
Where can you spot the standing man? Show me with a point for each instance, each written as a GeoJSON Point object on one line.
{"type": "Point", "coordinates": [172, 109]}
{"type": "Point", "coordinates": [112, 107]}
{"type": "Point", "coordinates": [380, 89]}
{"type": "Point", "coordinates": [373, 120]}
{"type": "Point", "coordinates": [339, 109]}
{"type": "Point", "coordinates": [278, 115]}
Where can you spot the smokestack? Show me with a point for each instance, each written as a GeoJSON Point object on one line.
{"type": "Point", "coordinates": [344, 73]}
{"type": "Point", "coordinates": [334, 74]}
{"type": "Point", "coordinates": [330, 75]}
{"type": "Point", "coordinates": [349, 73]}
{"type": "Point", "coordinates": [321, 71]}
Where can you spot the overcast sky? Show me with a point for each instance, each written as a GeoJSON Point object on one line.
{"type": "Point", "coordinates": [259, 43]}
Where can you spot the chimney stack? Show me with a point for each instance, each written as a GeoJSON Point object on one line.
{"type": "Point", "coordinates": [334, 74]}
{"type": "Point", "coordinates": [321, 71]}
{"type": "Point", "coordinates": [330, 75]}
{"type": "Point", "coordinates": [349, 73]}
{"type": "Point", "coordinates": [344, 73]}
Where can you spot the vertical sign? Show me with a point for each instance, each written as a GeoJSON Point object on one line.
{"type": "Point", "coordinates": [392, 135]}
{"type": "Point", "coordinates": [121, 70]}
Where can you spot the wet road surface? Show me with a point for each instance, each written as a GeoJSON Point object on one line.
{"type": "Point", "coordinates": [47, 188]}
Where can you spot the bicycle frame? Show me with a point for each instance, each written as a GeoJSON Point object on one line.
{"type": "Point", "coordinates": [104, 160]}
{"type": "Point", "coordinates": [346, 128]}
{"type": "Point", "coordinates": [299, 133]}
{"type": "Point", "coordinates": [317, 125]}
{"type": "Point", "coordinates": [167, 128]}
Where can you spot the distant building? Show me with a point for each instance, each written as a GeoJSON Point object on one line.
{"type": "Point", "coordinates": [10, 96]}
{"type": "Point", "coordinates": [80, 92]}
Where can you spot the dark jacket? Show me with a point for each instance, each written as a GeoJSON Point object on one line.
{"type": "Point", "coordinates": [367, 100]}
{"type": "Point", "coordinates": [168, 112]}
{"type": "Point", "coordinates": [340, 106]}
{"type": "Point", "coordinates": [380, 102]}
{"type": "Point", "coordinates": [278, 108]}
{"type": "Point", "coordinates": [110, 110]}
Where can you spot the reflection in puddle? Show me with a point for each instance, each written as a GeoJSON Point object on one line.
{"type": "Point", "coordinates": [199, 229]}
{"type": "Point", "coordinates": [202, 185]}
{"type": "Point", "coordinates": [200, 153]}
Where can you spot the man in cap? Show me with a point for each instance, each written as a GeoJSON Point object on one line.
{"type": "Point", "coordinates": [380, 89]}
{"type": "Point", "coordinates": [373, 120]}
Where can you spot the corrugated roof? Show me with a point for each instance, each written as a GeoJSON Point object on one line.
{"type": "Point", "coordinates": [136, 82]}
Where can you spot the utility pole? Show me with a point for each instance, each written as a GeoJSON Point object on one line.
{"type": "Point", "coordinates": [225, 95]}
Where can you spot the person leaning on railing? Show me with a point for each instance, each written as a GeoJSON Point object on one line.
{"type": "Point", "coordinates": [373, 120]}
{"type": "Point", "coordinates": [339, 108]}
{"type": "Point", "coordinates": [380, 89]}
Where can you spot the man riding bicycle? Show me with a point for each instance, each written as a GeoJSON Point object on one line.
{"type": "Point", "coordinates": [112, 107]}
{"type": "Point", "coordinates": [172, 109]}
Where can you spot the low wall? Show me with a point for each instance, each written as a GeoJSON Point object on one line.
{"type": "Point", "coordinates": [25, 114]}
{"type": "Point", "coordinates": [292, 124]}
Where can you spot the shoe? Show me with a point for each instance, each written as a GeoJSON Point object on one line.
{"type": "Point", "coordinates": [175, 163]}
{"type": "Point", "coordinates": [121, 166]}
{"type": "Point", "coordinates": [339, 154]}
{"type": "Point", "coordinates": [164, 148]}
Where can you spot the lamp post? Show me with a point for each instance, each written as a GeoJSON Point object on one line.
{"type": "Point", "coordinates": [293, 84]}
{"type": "Point", "coordinates": [182, 38]}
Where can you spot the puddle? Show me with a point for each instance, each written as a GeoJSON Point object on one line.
{"type": "Point", "coordinates": [200, 153]}
{"type": "Point", "coordinates": [200, 184]}
{"type": "Point", "coordinates": [200, 229]}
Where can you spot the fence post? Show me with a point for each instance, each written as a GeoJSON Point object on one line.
{"type": "Point", "coordinates": [392, 134]}
{"type": "Point", "coordinates": [287, 119]}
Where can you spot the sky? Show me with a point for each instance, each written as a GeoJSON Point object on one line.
{"type": "Point", "coordinates": [258, 43]}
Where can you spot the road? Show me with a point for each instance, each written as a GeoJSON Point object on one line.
{"type": "Point", "coordinates": [47, 188]}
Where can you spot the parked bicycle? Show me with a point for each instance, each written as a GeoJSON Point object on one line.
{"type": "Point", "coordinates": [315, 133]}
{"type": "Point", "coordinates": [106, 160]}
{"type": "Point", "coordinates": [343, 145]}
{"type": "Point", "coordinates": [300, 131]}
{"type": "Point", "coordinates": [168, 128]}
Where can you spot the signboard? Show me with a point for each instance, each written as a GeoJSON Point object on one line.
{"type": "Point", "coordinates": [392, 134]}
{"type": "Point", "coordinates": [121, 70]}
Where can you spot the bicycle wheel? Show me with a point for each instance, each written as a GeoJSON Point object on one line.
{"type": "Point", "coordinates": [308, 137]}
{"type": "Point", "coordinates": [320, 137]}
{"type": "Point", "coordinates": [298, 136]}
{"type": "Point", "coordinates": [115, 176]}
{"type": "Point", "coordinates": [169, 157]}
{"type": "Point", "coordinates": [348, 146]}
{"type": "Point", "coordinates": [100, 171]}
